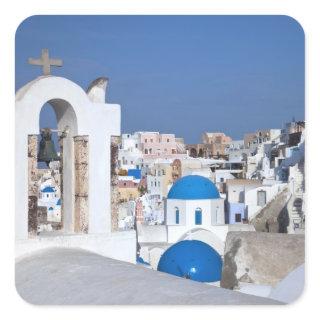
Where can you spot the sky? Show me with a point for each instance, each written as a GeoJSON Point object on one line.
{"type": "Point", "coordinates": [177, 74]}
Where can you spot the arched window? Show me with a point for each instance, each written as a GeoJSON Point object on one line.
{"type": "Point", "coordinates": [177, 215]}
{"type": "Point", "coordinates": [198, 216]}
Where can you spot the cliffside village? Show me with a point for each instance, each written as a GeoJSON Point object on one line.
{"type": "Point", "coordinates": [251, 175]}
{"type": "Point", "coordinates": [229, 213]}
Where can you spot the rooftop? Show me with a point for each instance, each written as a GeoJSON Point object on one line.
{"type": "Point", "coordinates": [77, 277]}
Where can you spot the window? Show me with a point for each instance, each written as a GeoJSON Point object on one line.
{"type": "Point", "coordinates": [177, 216]}
{"type": "Point", "coordinates": [221, 179]}
{"type": "Point", "coordinates": [168, 140]}
{"type": "Point", "coordinates": [261, 198]}
{"type": "Point", "coordinates": [146, 151]}
{"type": "Point", "coordinates": [198, 216]}
{"type": "Point", "coordinates": [136, 145]}
{"type": "Point", "coordinates": [145, 140]}
{"type": "Point", "coordinates": [151, 140]}
{"type": "Point", "coordinates": [237, 217]}
{"type": "Point", "coordinates": [150, 151]}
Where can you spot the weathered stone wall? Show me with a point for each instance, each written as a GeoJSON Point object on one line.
{"type": "Point", "coordinates": [274, 216]}
{"type": "Point", "coordinates": [115, 199]}
{"type": "Point", "coordinates": [32, 185]}
{"type": "Point", "coordinates": [42, 215]}
{"type": "Point", "coordinates": [81, 207]}
{"type": "Point", "coordinates": [260, 257]}
{"type": "Point", "coordinates": [61, 180]}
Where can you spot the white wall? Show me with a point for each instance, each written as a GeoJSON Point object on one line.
{"type": "Point", "coordinates": [251, 197]}
{"type": "Point", "coordinates": [187, 210]}
{"type": "Point", "coordinates": [171, 212]}
{"type": "Point", "coordinates": [116, 245]}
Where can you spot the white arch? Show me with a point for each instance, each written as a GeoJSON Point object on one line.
{"type": "Point", "coordinates": [72, 107]}
{"type": "Point", "coordinates": [31, 98]}
{"type": "Point", "coordinates": [205, 235]}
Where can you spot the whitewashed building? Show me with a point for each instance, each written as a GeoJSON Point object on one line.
{"type": "Point", "coordinates": [193, 202]}
{"type": "Point", "coordinates": [129, 155]}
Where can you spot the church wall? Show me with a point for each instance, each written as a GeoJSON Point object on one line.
{"type": "Point", "coordinates": [171, 211]}
{"type": "Point", "coordinates": [191, 206]}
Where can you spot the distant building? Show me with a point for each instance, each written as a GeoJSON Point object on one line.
{"type": "Point", "coordinates": [141, 148]}
{"type": "Point", "coordinates": [252, 140]}
{"type": "Point", "coordinates": [128, 188]}
{"type": "Point", "coordinates": [48, 198]}
{"type": "Point", "coordinates": [213, 146]}
{"type": "Point", "coordinates": [129, 155]}
{"type": "Point", "coordinates": [159, 180]}
{"type": "Point", "coordinates": [154, 144]}
{"type": "Point", "coordinates": [236, 192]}
{"type": "Point", "coordinates": [291, 133]}
{"type": "Point", "coordinates": [236, 151]}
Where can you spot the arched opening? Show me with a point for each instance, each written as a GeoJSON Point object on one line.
{"type": "Point", "coordinates": [48, 173]}
{"type": "Point", "coordinates": [177, 215]}
{"type": "Point", "coordinates": [198, 216]}
{"type": "Point", "coordinates": [56, 178]}
{"type": "Point", "coordinates": [193, 153]}
{"type": "Point", "coordinates": [206, 236]}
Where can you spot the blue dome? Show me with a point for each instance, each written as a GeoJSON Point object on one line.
{"type": "Point", "coordinates": [58, 202]}
{"type": "Point", "coordinates": [193, 187]}
{"type": "Point", "coordinates": [192, 259]}
{"type": "Point", "coordinates": [48, 189]}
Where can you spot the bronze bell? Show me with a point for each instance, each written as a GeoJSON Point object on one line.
{"type": "Point", "coordinates": [47, 150]}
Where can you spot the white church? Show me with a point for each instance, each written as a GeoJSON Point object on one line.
{"type": "Point", "coordinates": [85, 124]}
{"type": "Point", "coordinates": [193, 202]}
{"type": "Point", "coordinates": [194, 210]}
{"type": "Point", "coordinates": [49, 198]}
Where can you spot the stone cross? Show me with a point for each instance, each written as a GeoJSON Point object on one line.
{"type": "Point", "coordinates": [45, 62]}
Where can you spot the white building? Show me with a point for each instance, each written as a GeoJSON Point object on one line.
{"type": "Point", "coordinates": [193, 202]}
{"type": "Point", "coordinates": [129, 155]}
{"type": "Point", "coordinates": [49, 198]}
{"type": "Point", "coordinates": [257, 198]}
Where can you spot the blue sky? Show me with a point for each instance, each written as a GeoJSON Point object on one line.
{"type": "Point", "coordinates": [177, 74]}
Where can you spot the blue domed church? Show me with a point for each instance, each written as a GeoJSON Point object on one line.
{"type": "Point", "coordinates": [193, 202]}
